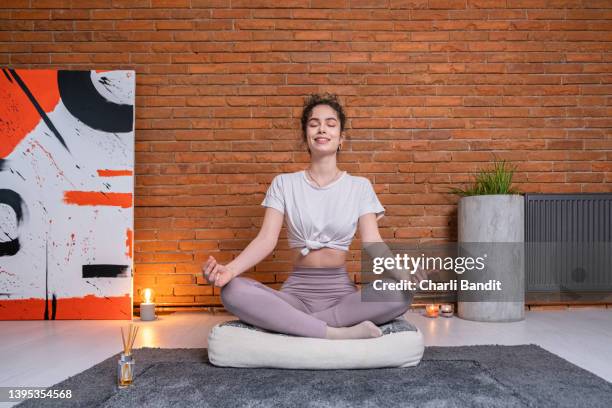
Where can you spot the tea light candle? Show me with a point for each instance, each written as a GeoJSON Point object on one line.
{"type": "Point", "coordinates": [147, 308]}
{"type": "Point", "coordinates": [431, 310]}
{"type": "Point", "coordinates": [446, 310]}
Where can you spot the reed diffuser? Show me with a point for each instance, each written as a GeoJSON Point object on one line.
{"type": "Point", "coordinates": [125, 369]}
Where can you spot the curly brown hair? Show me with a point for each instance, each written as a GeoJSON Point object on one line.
{"type": "Point", "coordinates": [314, 100]}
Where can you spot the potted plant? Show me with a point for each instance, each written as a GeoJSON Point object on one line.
{"type": "Point", "coordinates": [491, 223]}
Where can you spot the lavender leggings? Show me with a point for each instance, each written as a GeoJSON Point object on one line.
{"type": "Point", "coordinates": [310, 300]}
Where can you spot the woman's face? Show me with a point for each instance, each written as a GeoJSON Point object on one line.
{"type": "Point", "coordinates": [323, 133]}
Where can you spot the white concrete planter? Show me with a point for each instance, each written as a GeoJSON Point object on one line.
{"type": "Point", "coordinates": [495, 219]}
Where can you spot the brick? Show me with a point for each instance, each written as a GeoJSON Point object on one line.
{"type": "Point", "coordinates": [196, 290]}
{"type": "Point", "coordinates": [197, 245]}
{"type": "Point", "coordinates": [412, 232]}
{"type": "Point", "coordinates": [144, 280]}
{"type": "Point", "coordinates": [155, 246]}
{"type": "Point", "coordinates": [431, 156]}
{"type": "Point", "coordinates": [208, 300]}
{"type": "Point", "coordinates": [585, 177]}
{"type": "Point", "coordinates": [171, 300]}
{"type": "Point", "coordinates": [157, 292]}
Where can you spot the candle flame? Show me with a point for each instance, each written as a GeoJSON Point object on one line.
{"type": "Point", "coordinates": [147, 295]}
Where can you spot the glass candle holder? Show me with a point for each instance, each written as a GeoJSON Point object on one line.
{"type": "Point", "coordinates": [125, 370]}
{"type": "Point", "coordinates": [431, 310]}
{"type": "Point", "coordinates": [446, 310]}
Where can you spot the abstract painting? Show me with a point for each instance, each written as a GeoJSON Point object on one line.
{"type": "Point", "coordinates": [66, 194]}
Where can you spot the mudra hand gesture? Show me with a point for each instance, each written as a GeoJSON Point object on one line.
{"type": "Point", "coordinates": [419, 276]}
{"type": "Point", "coordinates": [217, 274]}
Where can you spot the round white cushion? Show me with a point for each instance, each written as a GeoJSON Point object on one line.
{"type": "Point", "coordinates": [237, 344]}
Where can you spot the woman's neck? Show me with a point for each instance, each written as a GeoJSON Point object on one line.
{"type": "Point", "coordinates": [324, 168]}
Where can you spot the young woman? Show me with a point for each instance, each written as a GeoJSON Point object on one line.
{"type": "Point", "coordinates": [323, 207]}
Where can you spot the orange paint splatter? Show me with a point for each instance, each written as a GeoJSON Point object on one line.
{"type": "Point", "coordinates": [123, 200]}
{"type": "Point", "coordinates": [19, 116]}
{"type": "Point", "coordinates": [129, 242]}
{"type": "Point", "coordinates": [88, 307]}
{"type": "Point", "coordinates": [114, 173]}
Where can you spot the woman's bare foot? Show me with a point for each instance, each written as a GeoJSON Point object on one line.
{"type": "Point", "coordinates": [363, 330]}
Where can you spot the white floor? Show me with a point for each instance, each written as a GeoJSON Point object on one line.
{"type": "Point", "coordinates": [42, 353]}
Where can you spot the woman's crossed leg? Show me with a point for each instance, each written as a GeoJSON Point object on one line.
{"type": "Point", "coordinates": [353, 316]}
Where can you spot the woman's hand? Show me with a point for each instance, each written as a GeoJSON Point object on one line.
{"type": "Point", "coordinates": [419, 276]}
{"type": "Point", "coordinates": [217, 274]}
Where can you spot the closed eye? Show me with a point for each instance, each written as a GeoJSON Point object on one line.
{"type": "Point", "coordinates": [330, 122]}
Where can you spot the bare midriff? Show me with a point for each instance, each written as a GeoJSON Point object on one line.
{"type": "Point", "coordinates": [320, 258]}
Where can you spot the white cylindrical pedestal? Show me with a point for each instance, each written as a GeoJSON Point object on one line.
{"type": "Point", "coordinates": [496, 223]}
{"type": "Point", "coordinates": [147, 311]}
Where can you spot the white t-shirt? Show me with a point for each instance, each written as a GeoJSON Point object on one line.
{"type": "Point", "coordinates": [325, 216]}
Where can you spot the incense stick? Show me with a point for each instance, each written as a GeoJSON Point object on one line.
{"type": "Point", "coordinates": [134, 338]}
{"type": "Point", "coordinates": [123, 339]}
{"type": "Point", "coordinates": [131, 339]}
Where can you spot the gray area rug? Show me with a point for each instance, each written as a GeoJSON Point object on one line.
{"type": "Point", "coordinates": [467, 376]}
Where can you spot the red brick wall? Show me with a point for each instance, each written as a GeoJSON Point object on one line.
{"type": "Point", "coordinates": [433, 90]}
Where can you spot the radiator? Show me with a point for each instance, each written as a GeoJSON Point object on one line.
{"type": "Point", "coordinates": [568, 242]}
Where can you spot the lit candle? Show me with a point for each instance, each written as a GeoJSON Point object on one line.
{"type": "Point", "coordinates": [446, 310]}
{"type": "Point", "coordinates": [431, 310]}
{"type": "Point", "coordinates": [147, 308]}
